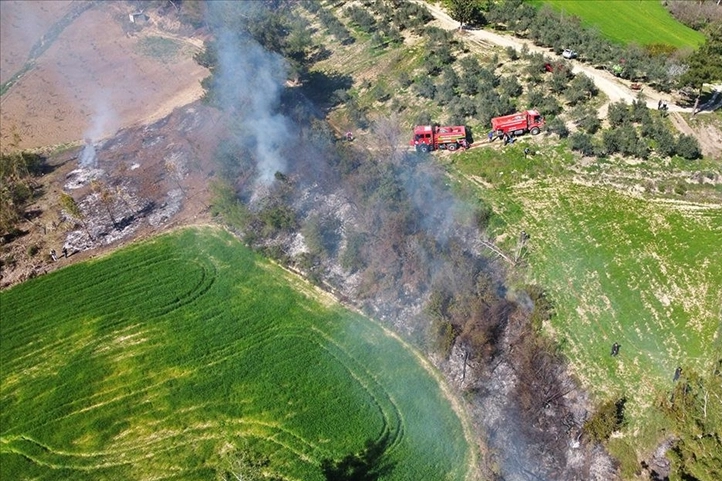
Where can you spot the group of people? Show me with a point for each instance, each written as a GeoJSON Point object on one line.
{"type": "Point", "coordinates": [54, 255]}
{"type": "Point", "coordinates": [509, 138]}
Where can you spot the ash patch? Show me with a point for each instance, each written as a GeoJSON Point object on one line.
{"type": "Point", "coordinates": [82, 177]}
{"type": "Point", "coordinates": [168, 209]}
{"type": "Point", "coordinates": [142, 180]}
{"type": "Point", "coordinates": [109, 213]}
{"type": "Point", "coordinates": [176, 163]}
{"type": "Point", "coordinates": [297, 246]}
{"type": "Point", "coordinates": [658, 466]}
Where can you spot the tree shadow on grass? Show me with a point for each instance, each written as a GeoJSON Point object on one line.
{"type": "Point", "coordinates": [370, 464]}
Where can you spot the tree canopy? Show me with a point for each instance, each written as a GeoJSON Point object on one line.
{"type": "Point", "coordinates": [705, 64]}
{"type": "Point", "coordinates": [465, 11]}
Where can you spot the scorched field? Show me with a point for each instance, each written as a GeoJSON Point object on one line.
{"type": "Point", "coordinates": [166, 359]}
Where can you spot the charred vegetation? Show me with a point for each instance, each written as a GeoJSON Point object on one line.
{"type": "Point", "coordinates": [381, 229]}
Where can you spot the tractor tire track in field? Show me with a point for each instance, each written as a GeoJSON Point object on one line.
{"type": "Point", "coordinates": [96, 365]}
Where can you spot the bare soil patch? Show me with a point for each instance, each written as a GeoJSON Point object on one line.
{"type": "Point", "coordinates": [22, 24]}
{"type": "Point", "coordinates": [708, 135]}
{"type": "Point", "coordinates": [155, 176]}
{"type": "Point", "coordinates": [96, 78]}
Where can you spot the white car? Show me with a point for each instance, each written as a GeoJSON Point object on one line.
{"type": "Point", "coordinates": [569, 53]}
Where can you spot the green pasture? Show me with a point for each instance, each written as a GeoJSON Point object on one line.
{"type": "Point", "coordinates": [642, 271]}
{"type": "Point", "coordinates": [163, 359]}
{"type": "Point", "coordinates": [630, 21]}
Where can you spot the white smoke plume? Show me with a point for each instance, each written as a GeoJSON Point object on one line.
{"type": "Point", "coordinates": [102, 123]}
{"type": "Point", "coordinates": [249, 84]}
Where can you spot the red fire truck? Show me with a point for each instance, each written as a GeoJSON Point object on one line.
{"type": "Point", "coordinates": [517, 124]}
{"type": "Point", "coordinates": [435, 137]}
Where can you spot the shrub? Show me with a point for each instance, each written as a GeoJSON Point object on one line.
{"type": "Point", "coordinates": [321, 235]}
{"type": "Point", "coordinates": [510, 87]}
{"type": "Point", "coordinates": [666, 146]}
{"type": "Point", "coordinates": [608, 417]}
{"type": "Point", "coordinates": [436, 58]}
{"type": "Point", "coordinates": [444, 94]}
{"type": "Point", "coordinates": [639, 112]}
{"type": "Point", "coordinates": [512, 53]}
{"type": "Point", "coordinates": [628, 140]}
{"type": "Point", "coordinates": [424, 118]}
{"type": "Point", "coordinates": [549, 106]}
{"type": "Point", "coordinates": [490, 104]}
{"type": "Point", "coordinates": [536, 65]}
{"type": "Point", "coordinates": [462, 108]}
{"type": "Point", "coordinates": [535, 98]}
{"type": "Point", "coordinates": [559, 81]}
{"type": "Point", "coordinates": [380, 93]}
{"type": "Point", "coordinates": [641, 150]}
{"type": "Point", "coordinates": [404, 79]}
{"type": "Point", "coordinates": [584, 84]}
{"type": "Point", "coordinates": [617, 114]}
{"type": "Point", "coordinates": [582, 142]}
{"type": "Point", "coordinates": [590, 123]}
{"type": "Point", "coordinates": [557, 126]}
{"type": "Point", "coordinates": [362, 18]}
{"type": "Point", "coordinates": [468, 82]}
{"type": "Point", "coordinates": [277, 218]}
{"type": "Point", "coordinates": [438, 35]}
{"type": "Point", "coordinates": [425, 87]}
{"type": "Point", "coordinates": [688, 147]}
{"type": "Point", "coordinates": [610, 141]}
{"type": "Point", "coordinates": [574, 96]}
{"type": "Point", "coordinates": [451, 78]}
{"type": "Point", "coordinates": [486, 76]}
{"type": "Point", "coordinates": [340, 96]}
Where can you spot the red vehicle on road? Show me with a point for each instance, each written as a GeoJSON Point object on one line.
{"type": "Point", "coordinates": [517, 124]}
{"type": "Point", "coordinates": [434, 137]}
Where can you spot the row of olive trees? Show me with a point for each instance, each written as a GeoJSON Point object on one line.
{"type": "Point", "coordinates": [633, 131]}
{"type": "Point", "coordinates": [545, 26]}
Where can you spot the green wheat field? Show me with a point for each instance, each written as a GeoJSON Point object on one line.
{"type": "Point", "coordinates": [164, 359]}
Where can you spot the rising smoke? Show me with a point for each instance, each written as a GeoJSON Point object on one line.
{"type": "Point", "coordinates": [248, 84]}
{"type": "Point", "coordinates": [103, 122]}
{"type": "Point", "coordinates": [426, 218]}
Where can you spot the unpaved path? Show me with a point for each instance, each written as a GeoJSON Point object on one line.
{"type": "Point", "coordinates": [98, 76]}
{"type": "Point", "coordinates": [615, 89]}
{"type": "Point", "coordinates": [709, 137]}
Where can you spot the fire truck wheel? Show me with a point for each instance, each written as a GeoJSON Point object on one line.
{"type": "Point", "coordinates": [452, 147]}
{"type": "Point", "coordinates": [535, 131]}
{"type": "Point", "coordinates": [423, 148]}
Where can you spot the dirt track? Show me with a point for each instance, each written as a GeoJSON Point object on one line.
{"type": "Point", "coordinates": [710, 138]}
{"type": "Point", "coordinates": [614, 88]}
{"type": "Point", "coordinates": [100, 74]}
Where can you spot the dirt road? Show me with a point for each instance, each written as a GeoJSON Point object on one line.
{"type": "Point", "coordinates": [98, 74]}
{"type": "Point", "coordinates": [614, 88]}
{"type": "Point", "coordinates": [709, 137]}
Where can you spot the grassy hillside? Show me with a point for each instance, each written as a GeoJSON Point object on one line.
{"type": "Point", "coordinates": [164, 359]}
{"type": "Point", "coordinates": [643, 22]}
{"type": "Point", "coordinates": [619, 266]}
